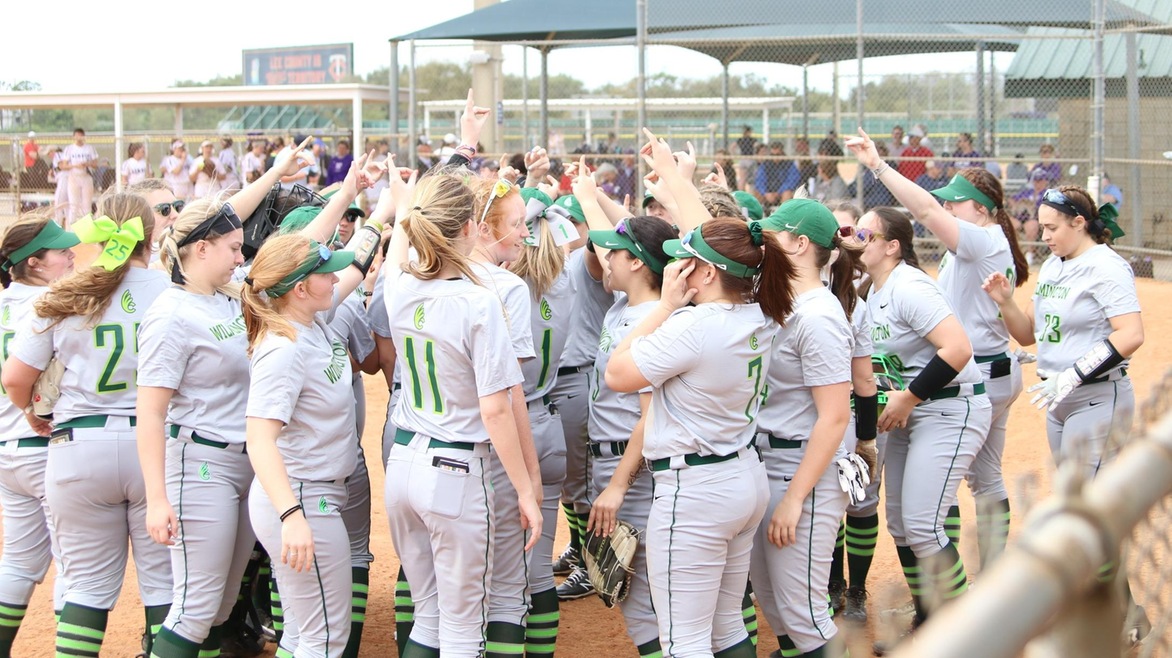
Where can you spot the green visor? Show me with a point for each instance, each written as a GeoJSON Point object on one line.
{"type": "Point", "coordinates": [50, 237]}
{"type": "Point", "coordinates": [693, 245]}
{"type": "Point", "coordinates": [961, 189]}
{"type": "Point", "coordinates": [320, 261]}
{"type": "Point", "coordinates": [623, 238]}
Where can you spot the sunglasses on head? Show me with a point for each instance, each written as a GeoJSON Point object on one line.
{"type": "Point", "coordinates": [499, 190]}
{"type": "Point", "coordinates": [164, 209]}
{"type": "Point", "coordinates": [1058, 198]}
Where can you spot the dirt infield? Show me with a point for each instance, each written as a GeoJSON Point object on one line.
{"type": "Point", "coordinates": [587, 627]}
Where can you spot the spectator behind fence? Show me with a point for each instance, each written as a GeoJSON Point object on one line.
{"type": "Point", "coordinates": [807, 166]}
{"type": "Point", "coordinates": [1017, 174]}
{"type": "Point", "coordinates": [911, 169]}
{"type": "Point", "coordinates": [79, 161]}
{"type": "Point", "coordinates": [135, 168]}
{"type": "Point", "coordinates": [776, 179]}
{"type": "Point", "coordinates": [32, 151]}
{"type": "Point", "coordinates": [1024, 209]}
{"type": "Point", "coordinates": [933, 177]}
{"type": "Point", "coordinates": [730, 169]}
{"type": "Point", "coordinates": [60, 178]}
{"type": "Point", "coordinates": [174, 169]}
{"type": "Point", "coordinates": [227, 158]}
{"type": "Point", "coordinates": [898, 142]}
{"type": "Point", "coordinates": [627, 178]}
{"type": "Point", "coordinates": [1110, 192]}
{"type": "Point", "coordinates": [339, 165]}
{"type": "Point", "coordinates": [875, 193]}
{"type": "Point", "coordinates": [1052, 169]}
{"type": "Point", "coordinates": [252, 165]}
{"type": "Point", "coordinates": [830, 186]}
{"type": "Point", "coordinates": [965, 155]}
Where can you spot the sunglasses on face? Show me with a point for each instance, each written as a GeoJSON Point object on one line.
{"type": "Point", "coordinates": [867, 236]}
{"type": "Point", "coordinates": [351, 217]}
{"type": "Point", "coordinates": [164, 209]}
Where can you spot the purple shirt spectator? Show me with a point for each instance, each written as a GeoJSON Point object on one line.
{"type": "Point", "coordinates": [338, 167]}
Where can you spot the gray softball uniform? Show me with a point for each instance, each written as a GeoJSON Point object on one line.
{"type": "Point", "coordinates": [1074, 301]}
{"type": "Point", "coordinates": [197, 346]}
{"type": "Point", "coordinates": [943, 434]}
{"type": "Point", "coordinates": [352, 328]}
{"type": "Point", "coordinates": [380, 325]}
{"type": "Point", "coordinates": [862, 347]}
{"type": "Point", "coordinates": [812, 349]}
{"type": "Point", "coordinates": [981, 251]}
{"type": "Point", "coordinates": [93, 481]}
{"type": "Point", "coordinates": [29, 544]}
{"type": "Point", "coordinates": [549, 321]}
{"type": "Point", "coordinates": [508, 600]}
{"type": "Point", "coordinates": [455, 348]}
{"type": "Point", "coordinates": [590, 303]}
{"type": "Point", "coordinates": [708, 366]}
{"type": "Point", "coordinates": [613, 417]}
{"type": "Point", "coordinates": [306, 384]}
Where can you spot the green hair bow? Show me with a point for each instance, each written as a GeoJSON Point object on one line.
{"type": "Point", "coordinates": [120, 241]}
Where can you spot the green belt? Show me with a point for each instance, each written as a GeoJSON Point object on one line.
{"type": "Point", "coordinates": [36, 442]}
{"type": "Point", "coordinates": [573, 370]}
{"type": "Point", "coordinates": [396, 386]}
{"type": "Point", "coordinates": [954, 391]}
{"type": "Point", "coordinates": [403, 437]}
{"type": "Point", "coordinates": [195, 438]}
{"type": "Point", "coordinates": [90, 422]}
{"type": "Point", "coordinates": [617, 448]}
{"type": "Point", "coordinates": [694, 459]}
{"type": "Point", "coordinates": [990, 358]}
{"type": "Point", "coordinates": [784, 444]}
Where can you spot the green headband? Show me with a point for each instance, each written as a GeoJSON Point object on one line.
{"type": "Point", "coordinates": [962, 189]}
{"type": "Point", "coordinates": [320, 260]}
{"type": "Point", "coordinates": [693, 245]}
{"type": "Point", "coordinates": [120, 240]}
{"type": "Point", "coordinates": [51, 236]}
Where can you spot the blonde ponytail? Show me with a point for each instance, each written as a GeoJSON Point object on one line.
{"type": "Point", "coordinates": [277, 258]}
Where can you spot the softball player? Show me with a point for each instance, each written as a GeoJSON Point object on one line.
{"type": "Point", "coordinates": [34, 253]}
{"type": "Point", "coordinates": [975, 228]}
{"type": "Point", "coordinates": [460, 368]}
{"type": "Point", "coordinates": [1085, 318]}
{"type": "Point", "coordinates": [801, 427]}
{"type": "Point", "coordinates": [620, 488]}
{"type": "Point", "coordinates": [501, 232]}
{"type": "Point", "coordinates": [227, 158]}
{"type": "Point", "coordinates": [77, 159]}
{"type": "Point", "coordinates": [193, 389]}
{"type": "Point", "coordinates": [541, 265]}
{"type": "Point", "coordinates": [135, 168]}
{"type": "Point", "coordinates": [936, 426]}
{"type": "Point", "coordinates": [207, 172]}
{"type": "Point", "coordinates": [711, 490]}
{"type": "Point", "coordinates": [60, 179]}
{"type": "Point", "coordinates": [175, 170]}
{"type": "Point", "coordinates": [94, 486]}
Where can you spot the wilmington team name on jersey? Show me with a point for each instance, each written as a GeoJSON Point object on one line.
{"type": "Point", "coordinates": [1048, 290]}
{"type": "Point", "coordinates": [605, 340]}
{"type": "Point", "coordinates": [337, 365]}
{"type": "Point", "coordinates": [226, 330]}
{"type": "Point", "coordinates": [880, 332]}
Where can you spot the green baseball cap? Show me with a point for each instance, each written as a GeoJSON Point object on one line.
{"type": "Point", "coordinates": [621, 238]}
{"type": "Point", "coordinates": [298, 219]}
{"type": "Point", "coordinates": [692, 245]}
{"type": "Point", "coordinates": [528, 193]}
{"type": "Point", "coordinates": [749, 204]}
{"type": "Point", "coordinates": [572, 206]}
{"type": "Point", "coordinates": [648, 197]}
{"type": "Point", "coordinates": [804, 217]}
{"type": "Point", "coordinates": [961, 189]}
{"type": "Point", "coordinates": [52, 236]}
{"type": "Point", "coordinates": [354, 208]}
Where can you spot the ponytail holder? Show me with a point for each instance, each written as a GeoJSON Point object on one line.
{"type": "Point", "coordinates": [418, 209]}
{"type": "Point", "coordinates": [756, 233]}
{"type": "Point", "coordinates": [120, 241]}
{"type": "Point", "coordinates": [1107, 215]}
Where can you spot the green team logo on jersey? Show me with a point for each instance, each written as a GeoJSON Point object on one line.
{"type": "Point", "coordinates": [128, 304]}
{"type": "Point", "coordinates": [881, 332]}
{"type": "Point", "coordinates": [205, 472]}
{"type": "Point", "coordinates": [323, 505]}
{"type": "Point", "coordinates": [6, 315]}
{"type": "Point", "coordinates": [419, 318]}
{"type": "Point", "coordinates": [1052, 291]}
{"type": "Point", "coordinates": [546, 312]}
{"type": "Point", "coordinates": [226, 330]}
{"type": "Point", "coordinates": [337, 366]}
{"type": "Point", "coordinates": [753, 342]}
{"type": "Point", "coordinates": [605, 340]}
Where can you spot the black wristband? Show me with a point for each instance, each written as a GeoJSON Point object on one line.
{"type": "Point", "coordinates": [1102, 359]}
{"type": "Point", "coordinates": [866, 416]}
{"type": "Point", "coordinates": [935, 376]}
{"type": "Point", "coordinates": [289, 512]}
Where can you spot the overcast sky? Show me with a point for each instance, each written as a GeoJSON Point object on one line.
{"type": "Point", "coordinates": [135, 44]}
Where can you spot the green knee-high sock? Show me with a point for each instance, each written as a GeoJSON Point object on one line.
{"type": "Point", "coordinates": [404, 612]}
{"type": "Point", "coordinates": [650, 649]}
{"type": "Point", "coordinates": [261, 596]}
{"type": "Point", "coordinates": [155, 616]}
{"type": "Point", "coordinates": [169, 644]}
{"type": "Point", "coordinates": [359, 589]}
{"type": "Point", "coordinates": [786, 648]}
{"type": "Point", "coordinates": [413, 649]}
{"type": "Point", "coordinates": [820, 652]}
{"type": "Point", "coordinates": [283, 653]}
{"type": "Point", "coordinates": [916, 580]}
{"type": "Point", "coordinates": [504, 640]}
{"type": "Point", "coordinates": [992, 530]}
{"type": "Point", "coordinates": [949, 579]}
{"type": "Point", "coordinates": [746, 648]}
{"type": "Point", "coordinates": [572, 522]}
{"type": "Point", "coordinates": [541, 629]}
{"type": "Point", "coordinates": [749, 613]}
{"type": "Point", "coordinates": [952, 525]}
{"type": "Point", "coordinates": [862, 535]}
{"type": "Point", "coordinates": [836, 566]}
{"type": "Point", "coordinates": [81, 631]}
{"type": "Point", "coordinates": [276, 609]}
{"type": "Point", "coordinates": [211, 646]}
{"type": "Point", "coordinates": [11, 615]}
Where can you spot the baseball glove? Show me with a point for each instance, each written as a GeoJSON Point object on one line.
{"type": "Point", "coordinates": [47, 389]}
{"type": "Point", "coordinates": [608, 562]}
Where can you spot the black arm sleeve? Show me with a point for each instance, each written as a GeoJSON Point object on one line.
{"type": "Point", "coordinates": [866, 416]}
{"type": "Point", "coordinates": [935, 376]}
